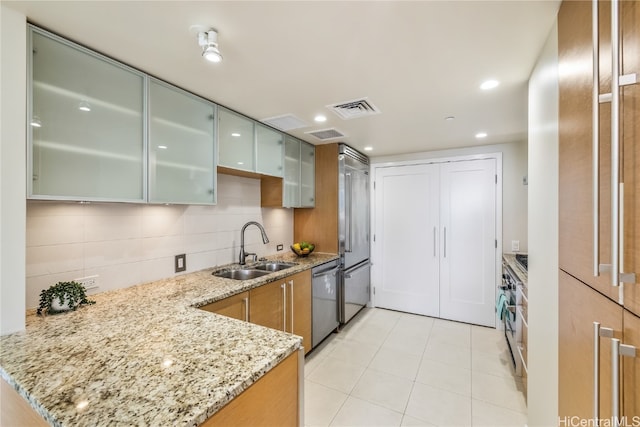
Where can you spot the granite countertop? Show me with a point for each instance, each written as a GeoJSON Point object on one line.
{"type": "Point", "coordinates": [145, 355]}
{"type": "Point", "coordinates": [510, 259]}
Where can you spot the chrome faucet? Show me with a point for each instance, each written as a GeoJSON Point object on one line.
{"type": "Point", "coordinates": [265, 240]}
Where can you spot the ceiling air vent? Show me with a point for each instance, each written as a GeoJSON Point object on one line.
{"type": "Point", "coordinates": [326, 134]}
{"type": "Point", "coordinates": [354, 109]}
{"type": "Point", "coordinates": [285, 122]}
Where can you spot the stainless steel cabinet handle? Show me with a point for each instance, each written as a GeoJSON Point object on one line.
{"type": "Point", "coordinates": [291, 302]}
{"type": "Point", "coordinates": [348, 201]}
{"type": "Point", "coordinates": [595, 142]}
{"type": "Point", "coordinates": [597, 333]}
{"type": "Point", "coordinates": [615, 380]}
{"type": "Point", "coordinates": [284, 307]}
{"type": "Point", "coordinates": [617, 349]}
{"type": "Point", "coordinates": [246, 309]}
{"type": "Point", "coordinates": [615, 144]}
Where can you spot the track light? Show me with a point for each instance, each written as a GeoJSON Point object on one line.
{"type": "Point", "coordinates": [84, 106]}
{"type": "Point", "coordinates": [208, 40]}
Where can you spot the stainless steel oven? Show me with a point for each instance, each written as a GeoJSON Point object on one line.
{"type": "Point", "coordinates": [512, 286]}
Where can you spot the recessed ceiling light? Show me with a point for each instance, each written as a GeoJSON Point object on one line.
{"type": "Point", "coordinates": [162, 147]}
{"type": "Point", "coordinates": [320, 118]}
{"type": "Point", "coordinates": [84, 106]}
{"type": "Point", "coordinates": [489, 84]}
{"type": "Point", "coordinates": [368, 148]}
{"type": "Point", "coordinates": [481, 135]}
{"type": "Point", "coordinates": [236, 134]}
{"type": "Point", "coordinates": [449, 118]}
{"type": "Point", "coordinates": [35, 122]}
{"type": "Point", "coordinates": [241, 163]}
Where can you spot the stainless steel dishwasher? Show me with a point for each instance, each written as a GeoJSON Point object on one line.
{"type": "Point", "coordinates": [324, 294]}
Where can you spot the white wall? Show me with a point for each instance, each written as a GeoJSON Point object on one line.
{"type": "Point", "coordinates": [129, 244]}
{"type": "Point", "coordinates": [543, 237]}
{"type": "Point", "coordinates": [12, 169]}
{"type": "Point", "coordinates": [514, 193]}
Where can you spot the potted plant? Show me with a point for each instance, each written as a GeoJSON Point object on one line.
{"type": "Point", "coordinates": [63, 296]}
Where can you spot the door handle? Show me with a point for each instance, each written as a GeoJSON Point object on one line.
{"type": "Point", "coordinates": [595, 138]}
{"type": "Point", "coordinates": [246, 308]}
{"type": "Point", "coordinates": [284, 307]}
{"type": "Point", "coordinates": [597, 333]}
{"type": "Point", "coordinates": [445, 242]}
{"type": "Point", "coordinates": [618, 349]}
{"type": "Point", "coordinates": [435, 237]}
{"type": "Point", "coordinates": [348, 193]}
{"type": "Point", "coordinates": [291, 302]}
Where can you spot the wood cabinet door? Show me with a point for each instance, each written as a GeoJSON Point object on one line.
{"type": "Point", "coordinates": [575, 146]}
{"type": "Point", "coordinates": [299, 307]}
{"type": "Point", "coordinates": [271, 401]}
{"type": "Point", "coordinates": [580, 306]}
{"type": "Point", "coordinates": [631, 369]}
{"type": "Point", "coordinates": [630, 137]}
{"type": "Point", "coordinates": [236, 306]}
{"type": "Point", "coordinates": [267, 305]}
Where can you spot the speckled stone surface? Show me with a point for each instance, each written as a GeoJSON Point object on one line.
{"type": "Point", "coordinates": [146, 355]}
{"type": "Point", "coordinates": [510, 259]}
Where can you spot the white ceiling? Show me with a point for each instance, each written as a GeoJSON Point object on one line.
{"type": "Point", "coordinates": [417, 61]}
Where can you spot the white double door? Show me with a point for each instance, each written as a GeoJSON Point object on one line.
{"type": "Point", "coordinates": [435, 235]}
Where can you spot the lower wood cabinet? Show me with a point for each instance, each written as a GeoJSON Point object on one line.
{"type": "Point", "coordinates": [15, 409]}
{"type": "Point", "coordinates": [236, 306]}
{"type": "Point", "coordinates": [274, 400]}
{"type": "Point", "coordinates": [298, 319]}
{"type": "Point", "coordinates": [266, 305]}
{"type": "Point", "coordinates": [581, 306]}
{"type": "Point", "coordinates": [284, 304]}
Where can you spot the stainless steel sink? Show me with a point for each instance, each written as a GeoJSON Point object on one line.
{"type": "Point", "coordinates": [274, 265]}
{"type": "Point", "coordinates": [242, 274]}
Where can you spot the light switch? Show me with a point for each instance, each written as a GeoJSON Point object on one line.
{"type": "Point", "coordinates": [515, 245]}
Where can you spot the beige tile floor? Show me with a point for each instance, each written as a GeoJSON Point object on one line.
{"type": "Point", "coordinates": [387, 368]}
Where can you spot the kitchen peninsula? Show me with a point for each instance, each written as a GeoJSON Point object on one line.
{"type": "Point", "coordinates": [146, 355]}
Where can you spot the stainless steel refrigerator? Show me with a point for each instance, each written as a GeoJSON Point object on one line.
{"type": "Point", "coordinates": [353, 232]}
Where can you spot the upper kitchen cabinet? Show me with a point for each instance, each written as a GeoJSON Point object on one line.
{"type": "Point", "coordinates": [269, 146]}
{"type": "Point", "coordinates": [297, 189]}
{"type": "Point", "coordinates": [307, 175]}
{"type": "Point", "coordinates": [181, 146]}
{"type": "Point", "coordinates": [599, 203]}
{"type": "Point", "coordinates": [86, 133]}
{"type": "Point", "coordinates": [236, 141]}
{"type": "Point", "coordinates": [246, 145]}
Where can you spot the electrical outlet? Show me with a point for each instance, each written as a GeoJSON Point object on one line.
{"type": "Point", "coordinates": [181, 263]}
{"type": "Point", "coordinates": [515, 245]}
{"type": "Point", "coordinates": [280, 247]}
{"type": "Point", "coordinates": [89, 282]}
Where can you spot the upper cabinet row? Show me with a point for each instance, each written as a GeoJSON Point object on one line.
{"type": "Point", "coordinates": [102, 131]}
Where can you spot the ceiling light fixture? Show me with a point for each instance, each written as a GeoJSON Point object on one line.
{"type": "Point", "coordinates": [35, 122]}
{"type": "Point", "coordinates": [489, 84]}
{"type": "Point", "coordinates": [449, 118]}
{"type": "Point", "coordinates": [162, 147]}
{"type": "Point", "coordinates": [481, 135]}
{"type": "Point", "coordinates": [368, 148]}
{"type": "Point", "coordinates": [320, 118]}
{"type": "Point", "coordinates": [84, 106]}
{"type": "Point", "coordinates": [236, 134]}
{"type": "Point", "coordinates": [208, 41]}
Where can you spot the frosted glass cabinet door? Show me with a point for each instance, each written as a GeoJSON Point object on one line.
{"type": "Point", "coordinates": [269, 144]}
{"type": "Point", "coordinates": [236, 141]}
{"type": "Point", "coordinates": [181, 147]}
{"type": "Point", "coordinates": [291, 196]}
{"type": "Point", "coordinates": [307, 175]}
{"type": "Point", "coordinates": [86, 135]}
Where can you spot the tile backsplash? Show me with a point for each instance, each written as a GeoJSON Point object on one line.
{"type": "Point", "coordinates": [128, 244]}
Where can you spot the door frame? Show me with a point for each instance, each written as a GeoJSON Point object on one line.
{"type": "Point", "coordinates": [444, 159]}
